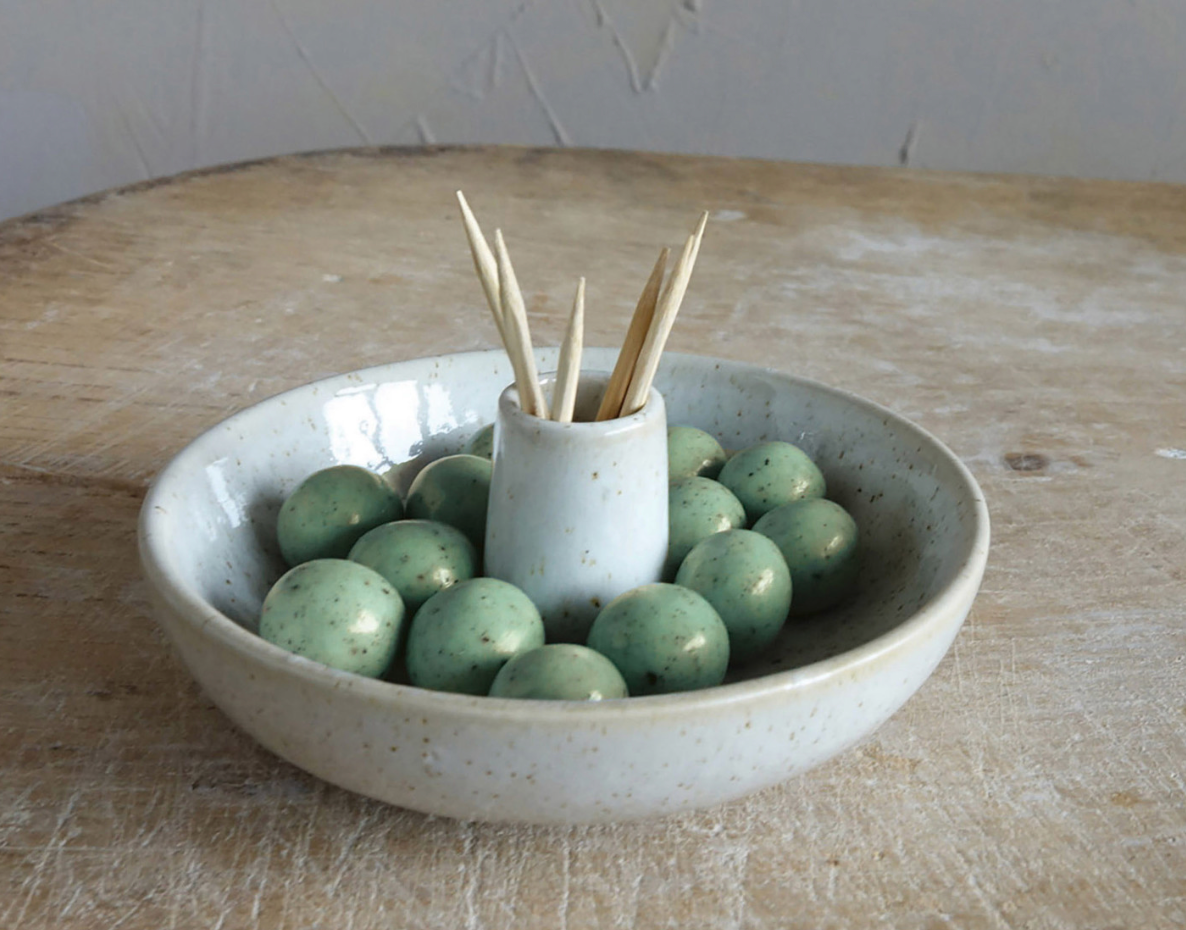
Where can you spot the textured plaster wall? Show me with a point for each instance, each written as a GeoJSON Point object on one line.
{"type": "Point", "coordinates": [98, 94]}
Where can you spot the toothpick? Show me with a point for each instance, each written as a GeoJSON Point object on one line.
{"type": "Point", "coordinates": [514, 315]}
{"type": "Point", "coordinates": [660, 329]}
{"type": "Point", "coordinates": [484, 264]}
{"type": "Point", "coordinates": [568, 372]}
{"type": "Point", "coordinates": [644, 311]}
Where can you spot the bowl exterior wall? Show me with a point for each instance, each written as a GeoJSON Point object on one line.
{"type": "Point", "coordinates": [454, 763]}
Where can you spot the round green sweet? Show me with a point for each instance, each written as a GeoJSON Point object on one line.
{"type": "Point", "coordinates": [481, 443]}
{"type": "Point", "coordinates": [692, 453]}
{"type": "Point", "coordinates": [697, 508]}
{"type": "Point", "coordinates": [662, 638]}
{"type": "Point", "coordinates": [461, 637]}
{"type": "Point", "coordinates": [419, 557]}
{"type": "Point", "coordinates": [818, 539]}
{"type": "Point", "coordinates": [330, 510]}
{"type": "Point", "coordinates": [336, 612]}
{"type": "Point", "coordinates": [454, 490]}
{"type": "Point", "coordinates": [769, 475]}
{"type": "Point", "coordinates": [560, 672]}
{"type": "Point", "coordinates": [745, 578]}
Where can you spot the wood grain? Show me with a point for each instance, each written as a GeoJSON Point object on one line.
{"type": "Point", "coordinates": [1036, 325]}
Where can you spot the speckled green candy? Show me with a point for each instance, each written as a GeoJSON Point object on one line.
{"type": "Point", "coordinates": [419, 557]}
{"type": "Point", "coordinates": [769, 475]}
{"type": "Point", "coordinates": [481, 443]}
{"type": "Point", "coordinates": [745, 578]}
{"type": "Point", "coordinates": [336, 612]}
{"type": "Point", "coordinates": [692, 453]}
{"type": "Point", "coordinates": [818, 539]}
{"type": "Point", "coordinates": [560, 672]}
{"type": "Point", "coordinates": [454, 490]}
{"type": "Point", "coordinates": [662, 638]}
{"type": "Point", "coordinates": [330, 510]}
{"type": "Point", "coordinates": [696, 509]}
{"type": "Point", "coordinates": [461, 637]}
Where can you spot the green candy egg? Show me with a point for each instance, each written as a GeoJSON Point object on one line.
{"type": "Point", "coordinates": [330, 510]}
{"type": "Point", "coordinates": [560, 672]}
{"type": "Point", "coordinates": [769, 475]}
{"type": "Point", "coordinates": [336, 612]}
{"type": "Point", "coordinates": [462, 636]}
{"type": "Point", "coordinates": [454, 490]}
{"type": "Point", "coordinates": [697, 508]}
{"type": "Point", "coordinates": [691, 453]}
{"type": "Point", "coordinates": [662, 638]}
{"type": "Point", "coordinates": [745, 578]}
{"type": "Point", "coordinates": [818, 539]}
{"type": "Point", "coordinates": [419, 557]}
{"type": "Point", "coordinates": [481, 443]}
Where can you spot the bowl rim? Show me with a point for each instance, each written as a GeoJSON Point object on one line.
{"type": "Point", "coordinates": [206, 620]}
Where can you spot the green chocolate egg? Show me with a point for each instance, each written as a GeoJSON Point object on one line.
{"type": "Point", "coordinates": [481, 443]}
{"type": "Point", "coordinates": [330, 510]}
{"type": "Point", "coordinates": [454, 490]}
{"type": "Point", "coordinates": [692, 453]}
{"type": "Point", "coordinates": [560, 672]}
{"type": "Point", "coordinates": [697, 508]}
{"type": "Point", "coordinates": [662, 638]}
{"type": "Point", "coordinates": [818, 539]}
{"type": "Point", "coordinates": [419, 557]}
{"type": "Point", "coordinates": [769, 475]}
{"type": "Point", "coordinates": [461, 637]}
{"type": "Point", "coordinates": [745, 578]}
{"type": "Point", "coordinates": [335, 612]}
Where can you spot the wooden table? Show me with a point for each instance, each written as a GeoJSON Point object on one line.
{"type": "Point", "coordinates": [1038, 326]}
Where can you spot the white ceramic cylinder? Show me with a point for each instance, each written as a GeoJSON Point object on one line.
{"type": "Point", "coordinates": [578, 511]}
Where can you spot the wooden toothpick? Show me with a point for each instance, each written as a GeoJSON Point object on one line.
{"type": "Point", "coordinates": [568, 372]}
{"type": "Point", "coordinates": [514, 315]}
{"type": "Point", "coordinates": [644, 311]}
{"type": "Point", "coordinates": [664, 319]}
{"type": "Point", "coordinates": [484, 264]}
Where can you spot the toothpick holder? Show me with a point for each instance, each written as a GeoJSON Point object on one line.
{"type": "Point", "coordinates": [578, 511]}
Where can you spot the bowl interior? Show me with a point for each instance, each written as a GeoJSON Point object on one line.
{"type": "Point", "coordinates": [216, 504]}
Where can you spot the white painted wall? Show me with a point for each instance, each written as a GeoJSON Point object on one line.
{"type": "Point", "coordinates": [98, 94]}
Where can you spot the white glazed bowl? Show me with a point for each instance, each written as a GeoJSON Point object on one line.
{"type": "Point", "coordinates": [207, 543]}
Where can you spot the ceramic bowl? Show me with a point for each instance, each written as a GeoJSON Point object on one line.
{"type": "Point", "coordinates": [208, 547]}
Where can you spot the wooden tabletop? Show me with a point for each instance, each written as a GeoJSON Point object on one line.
{"type": "Point", "coordinates": [1037, 326]}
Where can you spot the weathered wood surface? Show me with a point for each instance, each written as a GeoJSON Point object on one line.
{"type": "Point", "coordinates": [1038, 326]}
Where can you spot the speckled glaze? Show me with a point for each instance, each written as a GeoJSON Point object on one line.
{"type": "Point", "coordinates": [578, 511]}
{"type": "Point", "coordinates": [818, 538]}
{"type": "Point", "coordinates": [769, 474]}
{"type": "Point", "coordinates": [330, 510]}
{"type": "Point", "coordinates": [560, 672]}
{"type": "Point", "coordinates": [693, 453]}
{"type": "Point", "coordinates": [481, 443]}
{"type": "Point", "coordinates": [462, 636]}
{"type": "Point", "coordinates": [745, 578]}
{"type": "Point", "coordinates": [419, 557]}
{"type": "Point", "coordinates": [663, 639]}
{"type": "Point", "coordinates": [453, 490]}
{"type": "Point", "coordinates": [208, 547]}
{"type": "Point", "coordinates": [697, 508]}
{"type": "Point", "coordinates": [339, 613]}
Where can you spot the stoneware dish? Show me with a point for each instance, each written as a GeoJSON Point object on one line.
{"type": "Point", "coordinates": [208, 547]}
